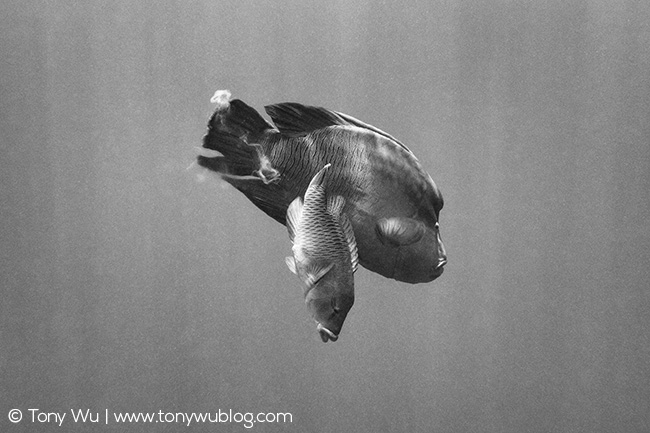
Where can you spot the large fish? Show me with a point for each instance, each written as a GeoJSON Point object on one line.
{"type": "Point", "coordinates": [392, 203]}
{"type": "Point", "coordinates": [324, 255]}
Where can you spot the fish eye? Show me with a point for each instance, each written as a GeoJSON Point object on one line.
{"type": "Point", "coordinates": [335, 307]}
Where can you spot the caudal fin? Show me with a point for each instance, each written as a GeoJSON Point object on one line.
{"type": "Point", "coordinates": [234, 131]}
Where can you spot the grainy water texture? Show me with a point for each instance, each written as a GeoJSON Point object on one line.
{"type": "Point", "coordinates": [128, 285]}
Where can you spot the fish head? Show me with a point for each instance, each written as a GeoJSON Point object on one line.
{"type": "Point", "coordinates": [418, 252]}
{"type": "Point", "coordinates": [427, 257]}
{"type": "Point", "coordinates": [424, 260]}
{"type": "Point", "coordinates": [329, 300]}
{"type": "Point", "coordinates": [329, 314]}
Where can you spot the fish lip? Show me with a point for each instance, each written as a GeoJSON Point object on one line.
{"type": "Point", "coordinates": [439, 269]}
{"type": "Point", "coordinates": [326, 334]}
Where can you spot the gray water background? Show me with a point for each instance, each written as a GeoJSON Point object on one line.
{"type": "Point", "coordinates": [128, 284]}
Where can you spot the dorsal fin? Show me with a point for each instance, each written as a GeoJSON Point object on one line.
{"type": "Point", "coordinates": [356, 122]}
{"type": "Point", "coordinates": [297, 120]}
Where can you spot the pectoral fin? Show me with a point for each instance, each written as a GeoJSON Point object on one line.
{"type": "Point", "coordinates": [294, 212]}
{"type": "Point", "coordinates": [398, 231]}
{"type": "Point", "coordinates": [335, 206]}
{"type": "Point", "coordinates": [291, 264]}
{"type": "Point", "coordinates": [315, 272]}
{"type": "Point", "coordinates": [346, 226]}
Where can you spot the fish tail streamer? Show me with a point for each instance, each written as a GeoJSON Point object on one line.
{"type": "Point", "coordinates": [232, 147]}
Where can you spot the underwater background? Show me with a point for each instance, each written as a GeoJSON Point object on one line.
{"type": "Point", "coordinates": [132, 284]}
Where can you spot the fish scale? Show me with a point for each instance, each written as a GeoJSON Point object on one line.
{"type": "Point", "coordinates": [304, 156]}
{"type": "Point", "coordinates": [319, 235]}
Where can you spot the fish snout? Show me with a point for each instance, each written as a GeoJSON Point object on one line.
{"type": "Point", "coordinates": [438, 268]}
{"type": "Point", "coordinates": [441, 253]}
{"type": "Point", "coordinates": [326, 334]}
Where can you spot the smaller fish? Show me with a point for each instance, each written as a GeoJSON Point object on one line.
{"type": "Point", "coordinates": [324, 255]}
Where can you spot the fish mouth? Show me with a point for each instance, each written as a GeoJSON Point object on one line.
{"type": "Point", "coordinates": [326, 334]}
{"type": "Point", "coordinates": [439, 269]}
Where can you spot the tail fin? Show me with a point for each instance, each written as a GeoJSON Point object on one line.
{"type": "Point", "coordinates": [233, 130]}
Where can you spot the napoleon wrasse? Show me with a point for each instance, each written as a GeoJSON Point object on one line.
{"type": "Point", "coordinates": [392, 203]}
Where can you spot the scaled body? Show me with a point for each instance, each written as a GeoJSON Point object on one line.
{"type": "Point", "coordinates": [324, 255]}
